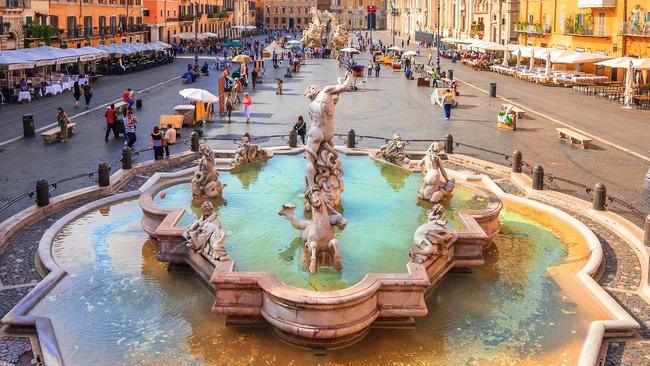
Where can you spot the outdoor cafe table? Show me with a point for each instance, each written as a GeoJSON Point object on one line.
{"type": "Point", "coordinates": [67, 85]}
{"type": "Point", "coordinates": [24, 95]}
{"type": "Point", "coordinates": [53, 89]}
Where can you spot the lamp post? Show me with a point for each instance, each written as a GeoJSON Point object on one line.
{"type": "Point", "coordinates": [196, 36]}
{"type": "Point", "coordinates": [392, 12]}
{"type": "Point", "coordinates": [438, 42]}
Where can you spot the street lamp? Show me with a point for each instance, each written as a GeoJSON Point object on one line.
{"type": "Point", "coordinates": [196, 35]}
{"type": "Point", "coordinates": [438, 42]}
{"type": "Point", "coordinates": [392, 11]}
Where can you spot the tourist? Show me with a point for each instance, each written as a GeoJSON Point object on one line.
{"type": "Point", "coordinates": [169, 138]}
{"type": "Point", "coordinates": [109, 115]}
{"type": "Point", "coordinates": [129, 128]}
{"type": "Point", "coordinates": [301, 128]}
{"type": "Point", "coordinates": [127, 97]}
{"type": "Point", "coordinates": [278, 86]}
{"type": "Point", "coordinates": [229, 106]}
{"type": "Point", "coordinates": [205, 69]}
{"type": "Point", "coordinates": [156, 143]}
{"type": "Point", "coordinates": [237, 89]}
{"type": "Point", "coordinates": [23, 85]}
{"type": "Point", "coordinates": [434, 78]}
{"type": "Point", "coordinates": [430, 58]}
{"type": "Point", "coordinates": [76, 93]}
{"type": "Point", "coordinates": [402, 43]}
{"type": "Point", "coordinates": [254, 77]}
{"type": "Point", "coordinates": [371, 67]}
{"type": "Point", "coordinates": [247, 107]}
{"type": "Point", "coordinates": [88, 93]}
{"type": "Point", "coordinates": [447, 102]}
{"type": "Point", "coordinates": [62, 121]}
{"type": "Point", "coordinates": [377, 69]}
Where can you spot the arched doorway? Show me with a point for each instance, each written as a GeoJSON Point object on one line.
{"type": "Point", "coordinates": [291, 23]}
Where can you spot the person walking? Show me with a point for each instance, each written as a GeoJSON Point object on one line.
{"type": "Point", "coordinates": [371, 67]}
{"type": "Point", "coordinates": [377, 69]}
{"type": "Point", "coordinates": [169, 138]}
{"type": "Point", "coordinates": [301, 128]}
{"type": "Point", "coordinates": [434, 78]}
{"type": "Point", "coordinates": [430, 58]}
{"type": "Point", "coordinates": [88, 93]}
{"type": "Point", "coordinates": [247, 102]}
{"type": "Point", "coordinates": [129, 129]}
{"type": "Point", "coordinates": [76, 93]}
{"type": "Point", "coordinates": [156, 143]}
{"type": "Point", "coordinates": [229, 106]}
{"type": "Point", "coordinates": [109, 115]}
{"type": "Point", "coordinates": [254, 77]}
{"type": "Point", "coordinates": [447, 102]}
{"type": "Point", "coordinates": [62, 121]}
{"type": "Point", "coordinates": [127, 97]}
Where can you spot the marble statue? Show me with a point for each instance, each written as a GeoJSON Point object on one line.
{"type": "Point", "coordinates": [248, 153]}
{"type": "Point", "coordinates": [205, 183]}
{"type": "Point", "coordinates": [318, 233]}
{"type": "Point", "coordinates": [324, 24]}
{"type": "Point", "coordinates": [432, 187]}
{"type": "Point", "coordinates": [206, 236]}
{"type": "Point", "coordinates": [393, 152]}
{"type": "Point", "coordinates": [323, 172]}
{"type": "Point", "coordinates": [432, 238]}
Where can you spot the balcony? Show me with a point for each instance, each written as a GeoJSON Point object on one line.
{"type": "Point", "coordinates": [635, 30]}
{"type": "Point", "coordinates": [580, 32]}
{"type": "Point", "coordinates": [82, 33]}
{"type": "Point", "coordinates": [533, 29]}
{"type": "Point", "coordinates": [15, 4]}
{"type": "Point", "coordinates": [217, 15]}
{"type": "Point", "coordinates": [186, 18]}
{"type": "Point", "coordinates": [596, 3]}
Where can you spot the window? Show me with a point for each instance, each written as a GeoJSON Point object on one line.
{"type": "Point", "coordinates": [161, 12]}
{"type": "Point", "coordinates": [113, 25]}
{"type": "Point", "coordinates": [601, 22]}
{"type": "Point", "coordinates": [360, 3]}
{"type": "Point", "coordinates": [503, 21]}
{"type": "Point", "coordinates": [88, 26]}
{"type": "Point", "coordinates": [102, 25]}
{"type": "Point", "coordinates": [530, 18]}
{"type": "Point", "coordinates": [54, 21]}
{"type": "Point", "coordinates": [72, 22]}
{"type": "Point", "coordinates": [28, 20]}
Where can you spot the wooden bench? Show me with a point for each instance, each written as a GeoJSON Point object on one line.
{"type": "Point", "coordinates": [175, 119]}
{"type": "Point", "coordinates": [574, 137]}
{"type": "Point", "coordinates": [54, 134]}
{"type": "Point", "coordinates": [518, 111]}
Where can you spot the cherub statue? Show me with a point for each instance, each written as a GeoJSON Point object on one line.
{"type": "Point", "coordinates": [432, 238]}
{"type": "Point", "coordinates": [206, 236]}
{"type": "Point", "coordinates": [247, 152]}
{"type": "Point", "coordinates": [393, 152]}
{"type": "Point", "coordinates": [432, 188]}
{"type": "Point", "coordinates": [205, 183]}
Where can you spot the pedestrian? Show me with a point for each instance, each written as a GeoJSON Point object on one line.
{"type": "Point", "coordinates": [301, 128]}
{"type": "Point", "coordinates": [247, 107]}
{"type": "Point", "coordinates": [169, 138]}
{"type": "Point", "coordinates": [371, 67]}
{"type": "Point", "coordinates": [62, 121]}
{"type": "Point", "coordinates": [237, 89]}
{"type": "Point", "coordinates": [127, 97]}
{"type": "Point", "coordinates": [402, 43]}
{"type": "Point", "coordinates": [434, 78]}
{"type": "Point", "coordinates": [447, 102]}
{"type": "Point", "coordinates": [156, 143]}
{"type": "Point", "coordinates": [430, 58]}
{"type": "Point", "coordinates": [129, 129]}
{"type": "Point", "coordinates": [377, 68]}
{"type": "Point", "coordinates": [109, 115]}
{"type": "Point", "coordinates": [88, 93]}
{"type": "Point", "coordinates": [254, 77]}
{"type": "Point", "coordinates": [76, 93]}
{"type": "Point", "coordinates": [278, 86]}
{"type": "Point", "coordinates": [229, 106]}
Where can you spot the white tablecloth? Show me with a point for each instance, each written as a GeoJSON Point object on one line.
{"type": "Point", "coordinates": [53, 89]}
{"type": "Point", "coordinates": [83, 80]}
{"type": "Point", "coordinates": [67, 85]}
{"type": "Point", "coordinates": [24, 95]}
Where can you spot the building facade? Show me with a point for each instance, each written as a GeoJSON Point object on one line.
{"type": "Point", "coordinates": [608, 27]}
{"type": "Point", "coordinates": [16, 17]}
{"type": "Point", "coordinates": [354, 13]}
{"type": "Point", "coordinates": [287, 14]}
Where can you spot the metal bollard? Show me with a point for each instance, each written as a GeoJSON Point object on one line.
{"type": "Point", "coordinates": [538, 177]}
{"type": "Point", "coordinates": [138, 103]}
{"type": "Point", "coordinates": [42, 193]}
{"type": "Point", "coordinates": [28, 125]}
{"type": "Point", "coordinates": [516, 161]}
{"type": "Point", "coordinates": [194, 141]}
{"type": "Point", "coordinates": [293, 138]}
{"type": "Point", "coordinates": [599, 197]}
{"type": "Point", "coordinates": [646, 230]}
{"type": "Point", "coordinates": [493, 90]}
{"type": "Point", "coordinates": [127, 158]}
{"type": "Point", "coordinates": [103, 172]}
{"type": "Point", "coordinates": [450, 74]}
{"type": "Point", "coordinates": [449, 144]}
{"type": "Point", "coordinates": [352, 139]}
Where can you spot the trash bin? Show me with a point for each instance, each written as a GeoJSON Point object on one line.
{"type": "Point", "coordinates": [450, 75]}
{"type": "Point", "coordinates": [28, 125]}
{"type": "Point", "coordinates": [493, 90]}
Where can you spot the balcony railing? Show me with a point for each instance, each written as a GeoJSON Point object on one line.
{"type": "Point", "coordinates": [635, 29]}
{"type": "Point", "coordinates": [15, 4]}
{"type": "Point", "coordinates": [80, 33]}
{"type": "Point", "coordinates": [578, 32]}
{"type": "Point", "coordinates": [217, 15]}
{"type": "Point", "coordinates": [186, 18]}
{"type": "Point", "coordinates": [533, 28]}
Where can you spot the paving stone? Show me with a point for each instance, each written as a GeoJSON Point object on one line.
{"type": "Point", "coordinates": [12, 348]}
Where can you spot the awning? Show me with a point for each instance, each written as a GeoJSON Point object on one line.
{"type": "Point", "coordinates": [10, 61]}
{"type": "Point", "coordinates": [624, 63]}
{"type": "Point", "coordinates": [581, 58]}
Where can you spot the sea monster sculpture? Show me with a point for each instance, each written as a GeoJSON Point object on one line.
{"type": "Point", "coordinates": [393, 152]}
{"type": "Point", "coordinates": [432, 238]}
{"type": "Point", "coordinates": [432, 188]}
{"type": "Point", "coordinates": [248, 152]}
{"type": "Point", "coordinates": [206, 236]}
{"type": "Point", "coordinates": [205, 183]}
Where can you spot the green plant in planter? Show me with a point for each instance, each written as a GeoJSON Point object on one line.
{"type": "Point", "coordinates": [44, 32]}
{"type": "Point", "coordinates": [568, 24]}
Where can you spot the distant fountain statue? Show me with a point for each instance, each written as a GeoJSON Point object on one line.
{"type": "Point", "coordinates": [432, 187]}
{"type": "Point", "coordinates": [432, 238]}
{"type": "Point", "coordinates": [324, 25]}
{"type": "Point", "coordinates": [205, 183]}
{"type": "Point", "coordinates": [248, 152]}
{"type": "Point", "coordinates": [394, 153]}
{"type": "Point", "coordinates": [206, 236]}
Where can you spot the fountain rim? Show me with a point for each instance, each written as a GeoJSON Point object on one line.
{"type": "Point", "coordinates": [19, 314]}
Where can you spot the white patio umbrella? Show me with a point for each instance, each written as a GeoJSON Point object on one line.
{"type": "Point", "coordinates": [629, 83]}
{"type": "Point", "coordinates": [532, 60]}
{"type": "Point", "coordinates": [518, 57]}
{"type": "Point", "coordinates": [547, 71]}
{"type": "Point", "coordinates": [581, 58]}
{"type": "Point", "coordinates": [349, 50]}
{"type": "Point", "coordinates": [15, 62]}
{"type": "Point", "coordinates": [293, 41]}
{"type": "Point", "coordinates": [199, 95]}
{"type": "Point", "coordinates": [642, 63]}
{"type": "Point", "coordinates": [506, 54]}
{"type": "Point", "coordinates": [409, 54]}
{"type": "Point", "coordinates": [395, 48]}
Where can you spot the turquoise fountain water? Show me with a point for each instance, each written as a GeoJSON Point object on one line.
{"type": "Point", "coordinates": [119, 306]}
